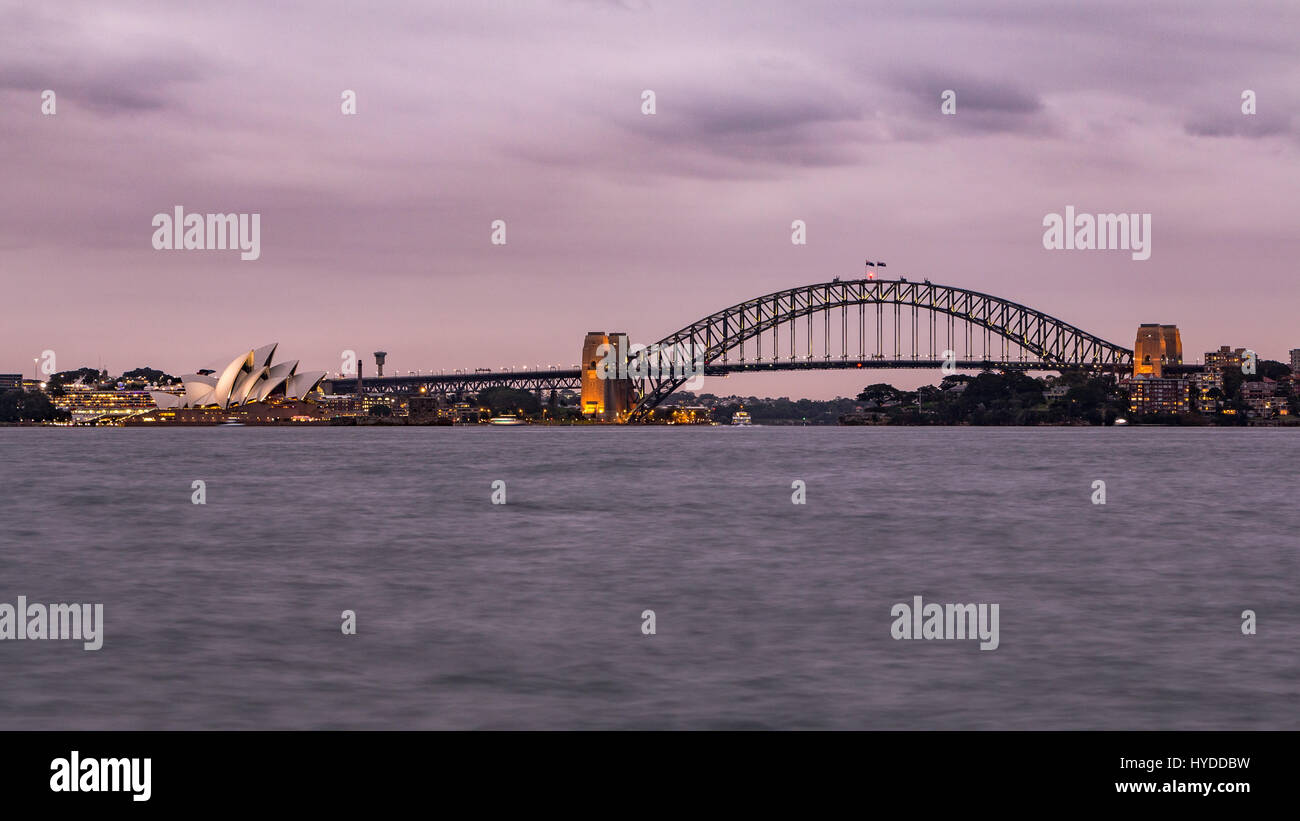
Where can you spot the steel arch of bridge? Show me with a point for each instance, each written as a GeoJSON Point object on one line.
{"type": "Point", "coordinates": [1055, 343]}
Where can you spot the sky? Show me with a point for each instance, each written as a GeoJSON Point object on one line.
{"type": "Point", "coordinates": [376, 227]}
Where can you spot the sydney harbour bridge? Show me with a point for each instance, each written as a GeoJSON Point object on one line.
{"type": "Point", "coordinates": [857, 323]}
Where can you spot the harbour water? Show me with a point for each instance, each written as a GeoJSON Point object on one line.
{"type": "Point", "coordinates": [768, 614]}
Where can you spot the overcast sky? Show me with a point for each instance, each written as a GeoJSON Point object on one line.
{"type": "Point", "coordinates": [376, 227]}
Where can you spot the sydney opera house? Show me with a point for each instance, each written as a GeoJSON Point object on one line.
{"type": "Point", "coordinates": [250, 378]}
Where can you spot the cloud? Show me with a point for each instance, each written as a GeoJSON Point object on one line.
{"type": "Point", "coordinates": [788, 126]}
{"type": "Point", "coordinates": [109, 86]}
{"type": "Point", "coordinates": [983, 105]}
{"type": "Point", "coordinates": [1253, 126]}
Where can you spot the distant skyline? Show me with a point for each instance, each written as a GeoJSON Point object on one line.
{"type": "Point", "coordinates": [375, 227]}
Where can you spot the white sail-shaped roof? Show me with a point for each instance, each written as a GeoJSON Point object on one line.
{"type": "Point", "coordinates": [263, 355]}
{"type": "Point", "coordinates": [247, 384]}
{"type": "Point", "coordinates": [198, 389]}
{"type": "Point", "coordinates": [167, 400]}
{"type": "Point", "coordinates": [275, 377]}
{"type": "Point", "coordinates": [250, 377]}
{"type": "Point", "coordinates": [301, 384]}
{"type": "Point", "coordinates": [226, 383]}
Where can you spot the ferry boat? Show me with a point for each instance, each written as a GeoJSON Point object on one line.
{"type": "Point", "coordinates": [741, 419]}
{"type": "Point", "coordinates": [231, 423]}
{"type": "Point", "coordinates": [506, 420]}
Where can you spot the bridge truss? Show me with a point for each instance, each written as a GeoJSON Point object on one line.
{"type": "Point", "coordinates": [922, 320]}
{"type": "Point", "coordinates": [458, 383]}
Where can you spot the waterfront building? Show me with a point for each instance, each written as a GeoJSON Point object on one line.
{"type": "Point", "coordinates": [352, 405]}
{"type": "Point", "coordinates": [1260, 397]}
{"type": "Point", "coordinates": [1151, 394]}
{"type": "Point", "coordinates": [250, 377]}
{"type": "Point", "coordinates": [425, 406]}
{"type": "Point", "coordinates": [1202, 383]}
{"type": "Point", "coordinates": [465, 412]}
{"type": "Point", "coordinates": [275, 411]}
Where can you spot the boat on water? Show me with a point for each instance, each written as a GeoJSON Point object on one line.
{"type": "Point", "coordinates": [506, 420]}
{"type": "Point", "coordinates": [231, 423]}
{"type": "Point", "coordinates": [1121, 421]}
{"type": "Point", "coordinates": [741, 419]}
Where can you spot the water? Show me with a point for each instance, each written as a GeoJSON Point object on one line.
{"type": "Point", "coordinates": [768, 614]}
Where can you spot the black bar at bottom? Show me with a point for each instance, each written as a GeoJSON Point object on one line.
{"type": "Point", "coordinates": [334, 770]}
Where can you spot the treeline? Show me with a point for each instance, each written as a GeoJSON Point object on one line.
{"type": "Point", "coordinates": [782, 411]}
{"type": "Point", "coordinates": [1010, 398]}
{"type": "Point", "coordinates": [21, 406]}
{"type": "Point", "coordinates": [134, 379]}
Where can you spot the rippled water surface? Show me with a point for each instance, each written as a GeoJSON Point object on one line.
{"type": "Point", "coordinates": [768, 614]}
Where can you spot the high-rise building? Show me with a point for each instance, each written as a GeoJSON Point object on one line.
{"type": "Point", "coordinates": [1153, 394]}
{"type": "Point", "coordinates": [10, 381]}
{"type": "Point", "coordinates": [1295, 360]}
{"type": "Point", "coordinates": [1202, 383]}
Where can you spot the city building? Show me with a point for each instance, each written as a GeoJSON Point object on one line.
{"type": "Point", "coordinates": [1152, 394]}
{"type": "Point", "coordinates": [1295, 360]}
{"type": "Point", "coordinates": [425, 405]}
{"type": "Point", "coordinates": [352, 405]}
{"type": "Point", "coordinates": [1224, 358]}
{"type": "Point", "coordinates": [1260, 397]}
{"type": "Point", "coordinates": [10, 381]}
{"type": "Point", "coordinates": [1202, 383]}
{"type": "Point", "coordinates": [1156, 346]}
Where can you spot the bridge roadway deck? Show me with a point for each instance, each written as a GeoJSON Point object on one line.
{"type": "Point", "coordinates": [569, 379]}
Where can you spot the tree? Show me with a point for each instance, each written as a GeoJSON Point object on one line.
{"type": "Point", "coordinates": [21, 406]}
{"type": "Point", "coordinates": [87, 376]}
{"type": "Point", "coordinates": [1270, 369]}
{"type": "Point", "coordinates": [150, 375]}
{"type": "Point", "coordinates": [509, 400]}
{"type": "Point", "coordinates": [1232, 379]}
{"type": "Point", "coordinates": [879, 393]}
